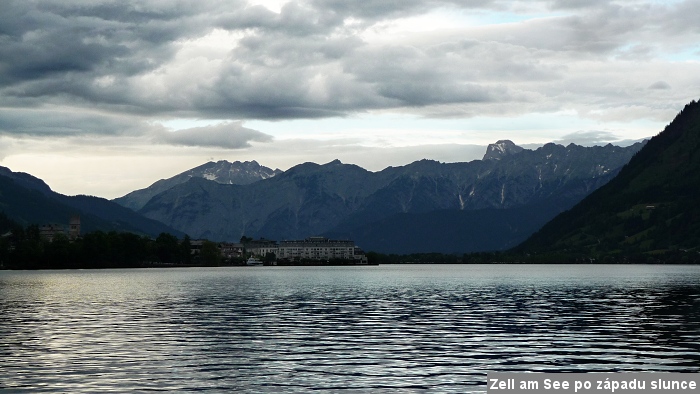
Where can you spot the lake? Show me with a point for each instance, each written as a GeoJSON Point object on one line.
{"type": "Point", "coordinates": [396, 328]}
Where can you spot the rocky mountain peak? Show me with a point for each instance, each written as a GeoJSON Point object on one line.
{"type": "Point", "coordinates": [222, 171]}
{"type": "Point", "coordinates": [501, 149]}
{"type": "Point", "coordinates": [236, 173]}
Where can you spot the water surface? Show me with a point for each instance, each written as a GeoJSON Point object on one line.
{"type": "Point", "coordinates": [398, 328]}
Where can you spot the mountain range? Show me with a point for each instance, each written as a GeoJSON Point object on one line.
{"type": "Point", "coordinates": [649, 210]}
{"type": "Point", "coordinates": [632, 204]}
{"type": "Point", "coordinates": [488, 204]}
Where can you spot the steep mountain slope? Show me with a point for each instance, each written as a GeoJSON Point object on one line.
{"type": "Point", "coordinates": [462, 231]}
{"type": "Point", "coordinates": [28, 200]}
{"type": "Point", "coordinates": [236, 173]}
{"type": "Point", "coordinates": [312, 199]}
{"type": "Point", "coordinates": [649, 208]}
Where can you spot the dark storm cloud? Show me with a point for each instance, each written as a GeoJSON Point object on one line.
{"type": "Point", "coordinates": [55, 52]}
{"type": "Point", "coordinates": [313, 58]}
{"type": "Point", "coordinates": [63, 52]}
{"type": "Point", "coordinates": [62, 48]}
{"type": "Point", "coordinates": [66, 122]}
{"type": "Point", "coordinates": [41, 39]}
{"type": "Point", "coordinates": [373, 10]}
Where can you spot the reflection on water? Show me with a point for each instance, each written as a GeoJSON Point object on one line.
{"type": "Point", "coordinates": [291, 329]}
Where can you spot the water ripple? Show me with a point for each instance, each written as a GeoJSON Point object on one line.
{"type": "Point", "coordinates": [350, 329]}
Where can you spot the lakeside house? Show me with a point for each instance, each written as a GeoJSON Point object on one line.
{"type": "Point", "coordinates": [49, 231]}
{"type": "Point", "coordinates": [231, 250]}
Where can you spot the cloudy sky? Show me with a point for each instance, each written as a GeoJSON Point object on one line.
{"type": "Point", "coordinates": [104, 97]}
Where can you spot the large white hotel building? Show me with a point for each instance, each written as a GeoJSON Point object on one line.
{"type": "Point", "coordinates": [312, 248]}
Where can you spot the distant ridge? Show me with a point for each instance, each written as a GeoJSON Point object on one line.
{"type": "Point", "coordinates": [27, 200]}
{"type": "Point", "coordinates": [346, 201]}
{"type": "Point", "coordinates": [650, 208]}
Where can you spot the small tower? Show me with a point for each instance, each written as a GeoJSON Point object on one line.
{"type": "Point", "coordinates": [74, 227]}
